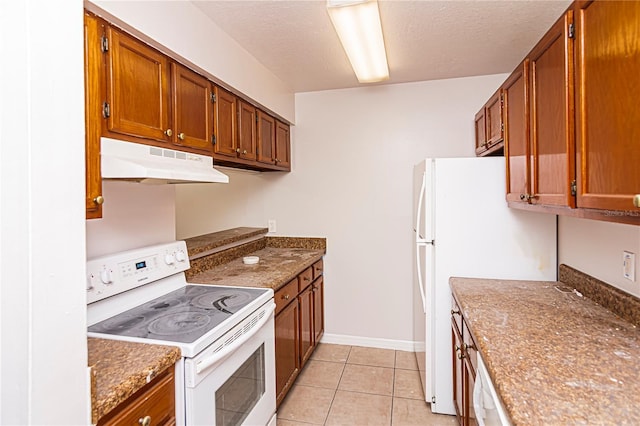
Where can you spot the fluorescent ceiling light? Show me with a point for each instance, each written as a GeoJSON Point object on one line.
{"type": "Point", "coordinates": [357, 23]}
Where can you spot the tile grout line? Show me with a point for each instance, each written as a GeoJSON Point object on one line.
{"type": "Point", "coordinates": [337, 386]}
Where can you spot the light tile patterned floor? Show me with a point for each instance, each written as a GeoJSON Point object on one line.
{"type": "Point", "coordinates": [353, 385]}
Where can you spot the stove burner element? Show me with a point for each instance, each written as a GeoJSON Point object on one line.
{"type": "Point", "coordinates": [227, 302]}
{"type": "Point", "coordinates": [179, 322]}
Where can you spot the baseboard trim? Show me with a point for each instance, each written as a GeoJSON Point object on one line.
{"type": "Point", "coordinates": [371, 342]}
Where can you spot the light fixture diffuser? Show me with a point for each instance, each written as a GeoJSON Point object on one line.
{"type": "Point", "coordinates": [357, 23]}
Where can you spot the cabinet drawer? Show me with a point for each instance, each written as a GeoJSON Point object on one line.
{"type": "Point", "coordinates": [286, 294]}
{"type": "Point", "coordinates": [305, 278]}
{"type": "Point", "coordinates": [157, 403]}
{"type": "Point", "coordinates": [317, 268]}
{"type": "Point", "coordinates": [456, 314]}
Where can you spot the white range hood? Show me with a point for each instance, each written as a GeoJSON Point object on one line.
{"type": "Point", "coordinates": [131, 161]}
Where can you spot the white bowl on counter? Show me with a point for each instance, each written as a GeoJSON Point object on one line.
{"type": "Point", "coordinates": [250, 260]}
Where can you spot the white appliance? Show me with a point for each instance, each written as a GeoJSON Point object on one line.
{"type": "Point", "coordinates": [486, 403]}
{"type": "Point", "coordinates": [124, 160]}
{"type": "Point", "coordinates": [226, 334]}
{"type": "Point", "coordinates": [464, 228]}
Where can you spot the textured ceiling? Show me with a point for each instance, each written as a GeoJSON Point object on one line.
{"type": "Point", "coordinates": [425, 40]}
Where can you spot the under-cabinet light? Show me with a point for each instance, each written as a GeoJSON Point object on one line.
{"type": "Point", "coordinates": [357, 23]}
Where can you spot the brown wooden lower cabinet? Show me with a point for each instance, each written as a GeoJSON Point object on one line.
{"type": "Point", "coordinates": [299, 325]}
{"type": "Point", "coordinates": [464, 358]}
{"type": "Point", "coordinates": [154, 404]}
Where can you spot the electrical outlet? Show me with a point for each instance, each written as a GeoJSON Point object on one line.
{"type": "Point", "coordinates": [272, 225]}
{"type": "Point", "coordinates": [629, 265]}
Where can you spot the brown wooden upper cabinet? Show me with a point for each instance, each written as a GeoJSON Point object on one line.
{"type": "Point", "coordinates": [93, 89]}
{"type": "Point", "coordinates": [224, 123]}
{"type": "Point", "coordinates": [538, 115]}
{"type": "Point", "coordinates": [138, 98]}
{"type": "Point", "coordinates": [607, 113]}
{"type": "Point", "coordinates": [266, 138]}
{"type": "Point", "coordinates": [283, 146]}
{"type": "Point", "coordinates": [247, 135]}
{"type": "Point", "coordinates": [489, 128]}
{"type": "Point", "coordinates": [193, 109]}
{"type": "Point", "coordinates": [149, 97]}
{"type": "Point", "coordinates": [515, 93]}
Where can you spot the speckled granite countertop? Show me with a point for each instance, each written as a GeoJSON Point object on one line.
{"type": "Point", "coordinates": [554, 356]}
{"type": "Point", "coordinates": [276, 267]}
{"type": "Point", "coordinates": [118, 373]}
{"type": "Point", "coordinates": [208, 242]}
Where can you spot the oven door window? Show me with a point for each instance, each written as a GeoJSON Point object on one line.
{"type": "Point", "coordinates": [241, 392]}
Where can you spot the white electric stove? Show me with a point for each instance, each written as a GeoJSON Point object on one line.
{"type": "Point", "coordinates": [225, 334]}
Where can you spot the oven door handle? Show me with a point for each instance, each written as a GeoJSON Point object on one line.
{"type": "Point", "coordinates": [207, 362]}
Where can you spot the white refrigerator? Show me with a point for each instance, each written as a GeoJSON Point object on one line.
{"type": "Point", "coordinates": [464, 228]}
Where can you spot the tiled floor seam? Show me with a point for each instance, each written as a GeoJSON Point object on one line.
{"type": "Point", "coordinates": [326, 417]}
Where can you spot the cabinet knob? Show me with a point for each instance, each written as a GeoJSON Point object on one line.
{"type": "Point", "coordinates": [636, 200]}
{"type": "Point", "coordinates": [276, 160]}
{"type": "Point", "coordinates": [99, 200]}
{"type": "Point", "coordinates": [238, 150]}
{"type": "Point", "coordinates": [285, 297]}
{"type": "Point", "coordinates": [454, 312]}
{"type": "Point", "coordinates": [168, 132]}
{"type": "Point", "coordinates": [244, 152]}
{"type": "Point", "coordinates": [461, 355]}
{"type": "Point", "coordinates": [144, 421]}
{"type": "Point", "coordinates": [181, 136]}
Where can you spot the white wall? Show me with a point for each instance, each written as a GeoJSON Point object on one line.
{"type": "Point", "coordinates": [43, 361]}
{"type": "Point", "coordinates": [133, 215]}
{"type": "Point", "coordinates": [182, 28]}
{"type": "Point", "coordinates": [595, 248]}
{"type": "Point", "coordinates": [353, 157]}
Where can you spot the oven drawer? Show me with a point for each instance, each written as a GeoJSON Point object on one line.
{"type": "Point", "coordinates": [154, 406]}
{"type": "Point", "coordinates": [286, 294]}
{"type": "Point", "coordinates": [304, 279]}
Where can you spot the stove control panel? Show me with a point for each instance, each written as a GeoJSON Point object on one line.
{"type": "Point", "coordinates": [116, 273]}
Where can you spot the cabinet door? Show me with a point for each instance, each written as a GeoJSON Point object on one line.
{"type": "Point", "coordinates": [192, 109]}
{"type": "Point", "coordinates": [137, 88]}
{"type": "Point", "coordinates": [224, 122]}
{"type": "Point", "coordinates": [246, 131]}
{"type": "Point", "coordinates": [283, 146]}
{"type": "Point", "coordinates": [493, 110]}
{"type": "Point", "coordinates": [305, 300]}
{"type": "Point", "coordinates": [481, 132]}
{"type": "Point", "coordinates": [93, 90]}
{"type": "Point", "coordinates": [287, 349]}
{"type": "Point", "coordinates": [318, 309]}
{"type": "Point", "coordinates": [552, 135]}
{"type": "Point", "coordinates": [266, 138]}
{"type": "Point", "coordinates": [469, 382]}
{"type": "Point", "coordinates": [608, 117]}
{"type": "Point", "coordinates": [515, 92]}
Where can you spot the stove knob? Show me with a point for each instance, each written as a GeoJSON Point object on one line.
{"type": "Point", "coordinates": [105, 276]}
{"type": "Point", "coordinates": [169, 259]}
{"type": "Point", "coordinates": [180, 256]}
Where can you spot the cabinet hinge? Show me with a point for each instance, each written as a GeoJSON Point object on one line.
{"type": "Point", "coordinates": [574, 188]}
{"type": "Point", "coordinates": [106, 110]}
{"type": "Point", "coordinates": [502, 127]}
{"type": "Point", "coordinates": [213, 97]}
{"type": "Point", "coordinates": [104, 44]}
{"type": "Point", "coordinates": [213, 139]}
{"type": "Point", "coordinates": [572, 30]}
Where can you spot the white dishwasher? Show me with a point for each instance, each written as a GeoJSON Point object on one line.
{"type": "Point", "coordinates": [486, 403]}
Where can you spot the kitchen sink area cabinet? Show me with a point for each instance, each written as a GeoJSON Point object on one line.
{"type": "Point", "coordinates": [464, 358]}
{"type": "Point", "coordinates": [93, 89]}
{"type": "Point", "coordinates": [607, 114]}
{"type": "Point", "coordinates": [154, 404]}
{"type": "Point", "coordinates": [305, 300]}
